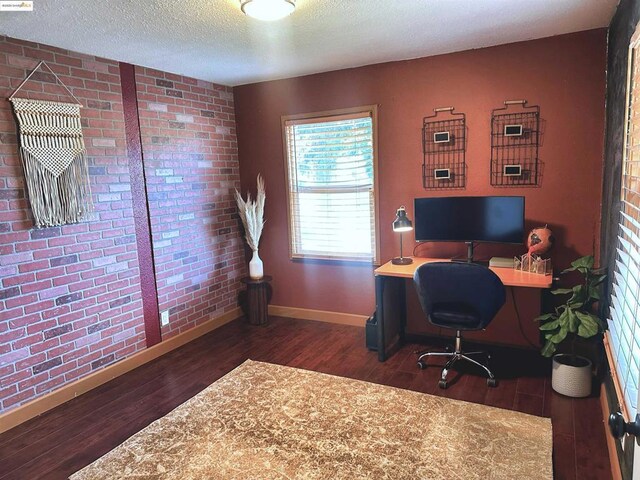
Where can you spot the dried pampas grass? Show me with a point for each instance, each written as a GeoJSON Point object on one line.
{"type": "Point", "coordinates": [251, 213]}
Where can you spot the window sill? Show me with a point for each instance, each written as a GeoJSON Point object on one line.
{"type": "Point", "coordinates": [319, 260]}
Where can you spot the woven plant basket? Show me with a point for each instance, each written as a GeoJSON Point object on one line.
{"type": "Point", "coordinates": [571, 375]}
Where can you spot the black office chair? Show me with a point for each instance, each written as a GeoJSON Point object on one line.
{"type": "Point", "coordinates": [461, 296]}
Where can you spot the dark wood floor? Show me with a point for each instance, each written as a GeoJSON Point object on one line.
{"type": "Point", "coordinates": [71, 436]}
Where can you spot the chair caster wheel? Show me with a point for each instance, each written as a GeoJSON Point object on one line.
{"type": "Point", "coordinates": [422, 365]}
{"type": "Point", "coordinates": [443, 384]}
{"type": "Point", "coordinates": [492, 382]}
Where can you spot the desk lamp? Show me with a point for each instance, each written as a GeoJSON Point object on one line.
{"type": "Point", "coordinates": [402, 224]}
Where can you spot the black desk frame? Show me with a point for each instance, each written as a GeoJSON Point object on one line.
{"type": "Point", "coordinates": [391, 314]}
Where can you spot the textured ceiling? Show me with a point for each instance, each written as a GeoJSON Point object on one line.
{"type": "Point", "coordinates": [213, 40]}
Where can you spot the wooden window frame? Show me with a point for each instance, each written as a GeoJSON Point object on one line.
{"type": "Point", "coordinates": [329, 115]}
{"type": "Point", "coordinates": [634, 45]}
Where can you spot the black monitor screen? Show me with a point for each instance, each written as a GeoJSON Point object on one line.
{"type": "Point", "coordinates": [466, 219]}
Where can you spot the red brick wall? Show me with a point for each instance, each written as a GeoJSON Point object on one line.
{"type": "Point", "coordinates": [70, 296]}
{"type": "Point", "coordinates": [70, 299]}
{"type": "Point", "coordinates": [191, 166]}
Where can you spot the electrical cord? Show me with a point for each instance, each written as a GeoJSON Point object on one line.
{"type": "Point", "coordinates": [416, 247]}
{"type": "Point", "coordinates": [515, 307]}
{"type": "Point", "coordinates": [419, 244]}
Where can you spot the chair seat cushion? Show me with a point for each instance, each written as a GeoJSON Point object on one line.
{"type": "Point", "coordinates": [460, 316]}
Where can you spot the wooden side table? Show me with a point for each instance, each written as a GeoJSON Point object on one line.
{"type": "Point", "coordinates": [257, 299]}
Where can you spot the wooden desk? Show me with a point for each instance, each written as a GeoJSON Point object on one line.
{"type": "Point", "coordinates": [509, 276]}
{"type": "Point", "coordinates": [391, 307]}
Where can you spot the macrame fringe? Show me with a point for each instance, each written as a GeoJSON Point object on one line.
{"type": "Point", "coordinates": [54, 159]}
{"type": "Point", "coordinates": [58, 200]}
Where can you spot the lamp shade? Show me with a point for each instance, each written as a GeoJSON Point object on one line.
{"type": "Point", "coordinates": [402, 222]}
{"type": "Point", "coordinates": [268, 10]}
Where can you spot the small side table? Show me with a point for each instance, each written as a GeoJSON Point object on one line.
{"type": "Point", "coordinates": [257, 299]}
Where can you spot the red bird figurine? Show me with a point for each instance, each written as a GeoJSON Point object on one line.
{"type": "Point", "coordinates": [540, 241]}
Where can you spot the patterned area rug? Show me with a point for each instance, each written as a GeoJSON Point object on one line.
{"type": "Point", "coordinates": [273, 422]}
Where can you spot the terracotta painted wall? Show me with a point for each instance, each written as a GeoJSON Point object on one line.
{"type": "Point", "coordinates": [565, 75]}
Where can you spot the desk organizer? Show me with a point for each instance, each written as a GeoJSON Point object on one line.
{"type": "Point", "coordinates": [533, 264]}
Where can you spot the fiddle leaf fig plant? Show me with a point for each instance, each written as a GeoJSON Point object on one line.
{"type": "Point", "coordinates": [574, 318]}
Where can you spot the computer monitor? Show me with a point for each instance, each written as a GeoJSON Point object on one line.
{"type": "Point", "coordinates": [469, 219]}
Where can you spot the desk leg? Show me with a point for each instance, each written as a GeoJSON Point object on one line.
{"type": "Point", "coordinates": [390, 314]}
{"type": "Point", "coordinates": [380, 281]}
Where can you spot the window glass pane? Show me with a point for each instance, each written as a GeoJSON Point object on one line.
{"type": "Point", "coordinates": [633, 371]}
{"type": "Point", "coordinates": [335, 222]}
{"type": "Point", "coordinates": [622, 366]}
{"type": "Point", "coordinates": [334, 154]}
{"type": "Point", "coordinates": [331, 176]}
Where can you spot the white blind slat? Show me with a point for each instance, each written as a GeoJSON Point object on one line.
{"type": "Point", "coordinates": [330, 164]}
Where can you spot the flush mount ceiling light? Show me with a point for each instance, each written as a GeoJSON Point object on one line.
{"type": "Point", "coordinates": [268, 9]}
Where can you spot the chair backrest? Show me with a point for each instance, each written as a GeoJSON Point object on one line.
{"type": "Point", "coordinates": [449, 283]}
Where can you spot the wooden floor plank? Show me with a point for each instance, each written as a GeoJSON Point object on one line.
{"type": "Point", "coordinates": [560, 409]}
{"type": "Point", "coordinates": [564, 457]}
{"type": "Point", "coordinates": [531, 385]}
{"type": "Point", "coordinates": [531, 404]}
{"type": "Point", "coordinates": [62, 441]}
{"type": "Point", "coordinates": [504, 396]}
{"type": "Point", "coordinates": [592, 458]}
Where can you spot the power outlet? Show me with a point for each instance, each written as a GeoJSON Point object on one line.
{"type": "Point", "coordinates": [164, 318]}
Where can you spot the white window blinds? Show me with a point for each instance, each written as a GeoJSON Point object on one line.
{"type": "Point", "coordinates": [623, 337]}
{"type": "Point", "coordinates": [331, 178]}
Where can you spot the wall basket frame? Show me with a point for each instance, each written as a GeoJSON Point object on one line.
{"type": "Point", "coordinates": [443, 148]}
{"type": "Point", "coordinates": [515, 142]}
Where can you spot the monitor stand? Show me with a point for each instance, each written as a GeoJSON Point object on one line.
{"type": "Point", "coordinates": [469, 252]}
{"type": "Point", "coordinates": [469, 258]}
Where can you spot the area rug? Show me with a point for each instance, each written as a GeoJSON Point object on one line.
{"type": "Point", "coordinates": [264, 421]}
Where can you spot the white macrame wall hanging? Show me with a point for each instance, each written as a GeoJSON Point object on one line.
{"type": "Point", "coordinates": [54, 158]}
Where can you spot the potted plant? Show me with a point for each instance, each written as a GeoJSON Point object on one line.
{"type": "Point", "coordinates": [570, 321]}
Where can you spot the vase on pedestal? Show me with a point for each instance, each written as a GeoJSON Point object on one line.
{"type": "Point", "coordinates": [256, 268]}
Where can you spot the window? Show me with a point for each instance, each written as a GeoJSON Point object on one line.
{"type": "Point", "coordinates": [623, 338]}
{"type": "Point", "coordinates": [331, 180]}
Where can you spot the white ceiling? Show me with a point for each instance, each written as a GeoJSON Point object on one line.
{"type": "Point", "coordinates": [213, 40]}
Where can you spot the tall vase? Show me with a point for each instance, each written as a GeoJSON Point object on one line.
{"type": "Point", "coordinates": [256, 269]}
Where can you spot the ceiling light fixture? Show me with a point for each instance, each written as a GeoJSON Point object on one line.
{"type": "Point", "coordinates": [268, 10]}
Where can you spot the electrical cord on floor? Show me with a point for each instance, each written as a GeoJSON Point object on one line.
{"type": "Point", "coordinates": [515, 307]}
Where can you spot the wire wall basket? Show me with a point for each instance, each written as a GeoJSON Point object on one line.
{"type": "Point", "coordinates": [515, 140]}
{"type": "Point", "coordinates": [443, 147]}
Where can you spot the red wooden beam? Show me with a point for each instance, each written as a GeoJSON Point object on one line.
{"type": "Point", "coordinates": [140, 205]}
